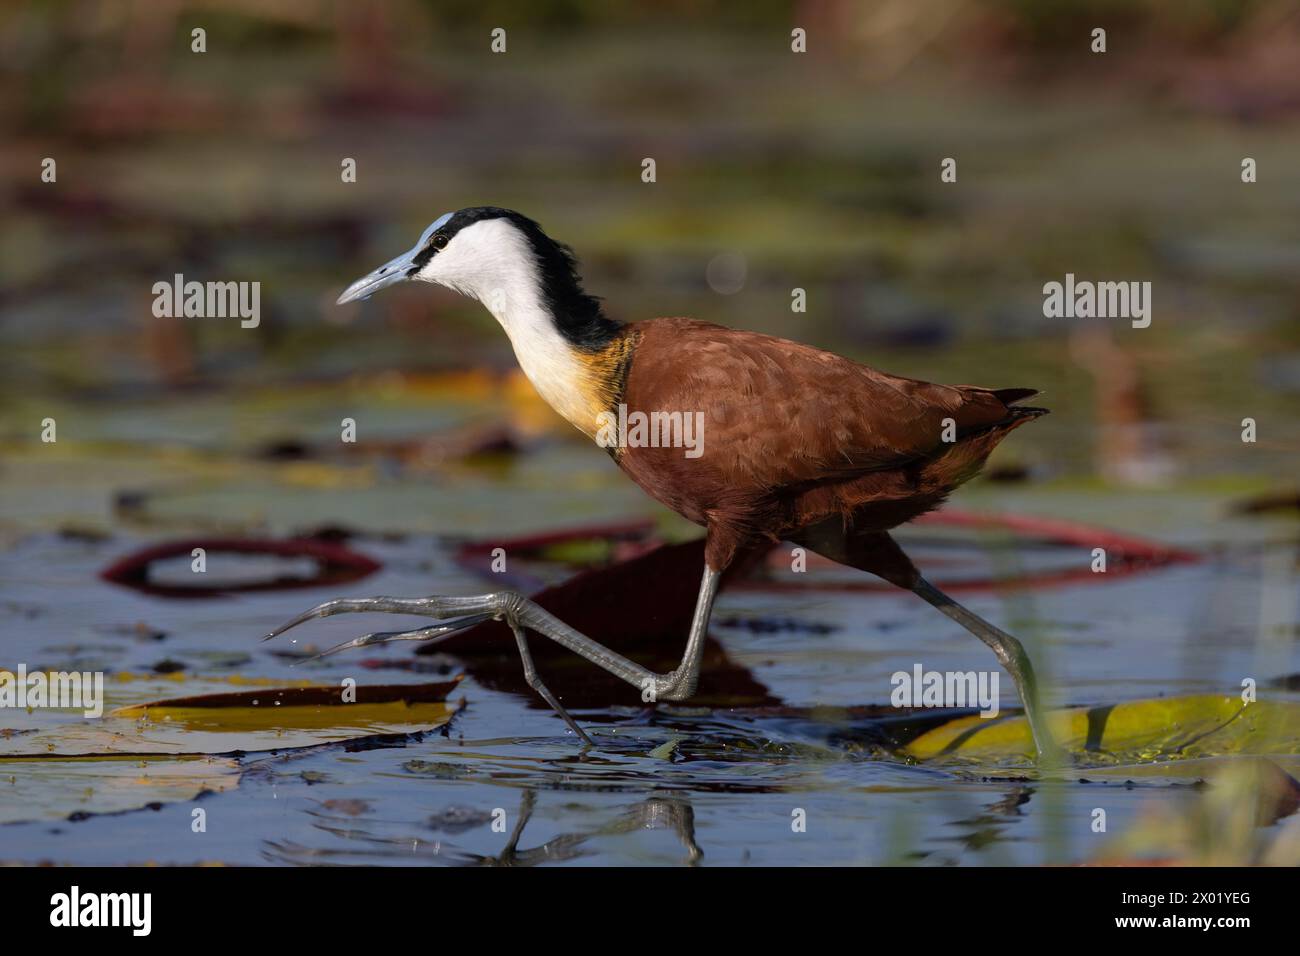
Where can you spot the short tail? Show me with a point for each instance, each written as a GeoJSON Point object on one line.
{"type": "Point", "coordinates": [966, 457]}
{"type": "Point", "coordinates": [992, 402]}
{"type": "Point", "coordinates": [1026, 412]}
{"type": "Point", "coordinates": [1009, 396]}
{"type": "Point", "coordinates": [1018, 414]}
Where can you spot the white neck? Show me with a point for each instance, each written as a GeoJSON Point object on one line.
{"type": "Point", "coordinates": [545, 356]}
{"type": "Point", "coordinates": [492, 262]}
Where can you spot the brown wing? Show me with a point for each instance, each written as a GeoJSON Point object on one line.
{"type": "Point", "coordinates": [781, 415]}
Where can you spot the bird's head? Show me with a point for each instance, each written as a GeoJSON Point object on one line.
{"type": "Point", "coordinates": [504, 260]}
{"type": "Point", "coordinates": [459, 250]}
{"type": "Point", "coordinates": [565, 344]}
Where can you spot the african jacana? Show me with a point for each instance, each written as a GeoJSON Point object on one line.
{"type": "Point", "coordinates": [799, 444]}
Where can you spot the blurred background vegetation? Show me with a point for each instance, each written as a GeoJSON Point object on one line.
{"type": "Point", "coordinates": [775, 170]}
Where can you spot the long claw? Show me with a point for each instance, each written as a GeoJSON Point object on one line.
{"type": "Point", "coordinates": [433, 634]}
{"type": "Point", "coordinates": [320, 610]}
{"type": "Point", "coordinates": [438, 607]}
{"type": "Point", "coordinates": [345, 605]}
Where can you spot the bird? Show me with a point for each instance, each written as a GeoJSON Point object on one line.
{"type": "Point", "coordinates": [756, 438]}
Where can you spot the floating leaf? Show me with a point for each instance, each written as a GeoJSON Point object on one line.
{"type": "Point", "coordinates": [1230, 822]}
{"type": "Point", "coordinates": [151, 750]}
{"type": "Point", "coordinates": [295, 716]}
{"type": "Point", "coordinates": [54, 787]}
{"type": "Point", "coordinates": [332, 562]}
{"type": "Point", "coordinates": [665, 750]}
{"type": "Point", "coordinates": [1135, 731]}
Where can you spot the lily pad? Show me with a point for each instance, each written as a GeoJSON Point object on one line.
{"type": "Point", "coordinates": [291, 716]}
{"type": "Point", "coordinates": [1173, 728]}
{"type": "Point", "coordinates": [55, 787]}
{"type": "Point", "coordinates": [152, 749]}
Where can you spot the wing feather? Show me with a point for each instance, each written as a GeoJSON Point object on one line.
{"type": "Point", "coordinates": [782, 415]}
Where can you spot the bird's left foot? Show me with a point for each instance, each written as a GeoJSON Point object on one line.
{"type": "Point", "coordinates": [458, 613]}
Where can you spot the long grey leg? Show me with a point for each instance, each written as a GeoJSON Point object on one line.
{"type": "Point", "coordinates": [520, 612]}
{"type": "Point", "coordinates": [683, 681]}
{"type": "Point", "coordinates": [535, 682]}
{"type": "Point", "coordinates": [1010, 654]}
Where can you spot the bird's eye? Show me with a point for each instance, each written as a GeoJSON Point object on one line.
{"type": "Point", "coordinates": [439, 241]}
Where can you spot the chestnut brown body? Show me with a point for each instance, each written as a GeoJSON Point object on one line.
{"type": "Point", "coordinates": [801, 444]}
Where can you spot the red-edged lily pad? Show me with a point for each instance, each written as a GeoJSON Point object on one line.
{"type": "Point", "coordinates": [330, 562]}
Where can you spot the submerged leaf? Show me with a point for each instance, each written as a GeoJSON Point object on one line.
{"type": "Point", "coordinates": [1230, 821]}
{"type": "Point", "coordinates": [55, 787]}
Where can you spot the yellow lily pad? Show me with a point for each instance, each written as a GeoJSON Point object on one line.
{"type": "Point", "coordinates": [151, 749]}
{"type": "Point", "coordinates": [217, 721]}
{"type": "Point", "coordinates": [1131, 732]}
{"type": "Point", "coordinates": [309, 715]}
